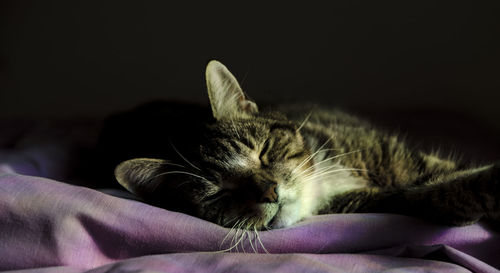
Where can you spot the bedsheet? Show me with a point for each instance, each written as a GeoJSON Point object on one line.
{"type": "Point", "coordinates": [48, 225]}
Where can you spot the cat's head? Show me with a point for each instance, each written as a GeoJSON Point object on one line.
{"type": "Point", "coordinates": [248, 172]}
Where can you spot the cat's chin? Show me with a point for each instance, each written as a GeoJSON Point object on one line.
{"type": "Point", "coordinates": [282, 219]}
{"type": "Point", "coordinates": [268, 213]}
{"type": "Point", "coordinates": [290, 213]}
{"type": "Point", "coordinates": [276, 223]}
{"type": "Point", "coordinates": [281, 222]}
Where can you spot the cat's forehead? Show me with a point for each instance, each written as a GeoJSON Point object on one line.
{"type": "Point", "coordinates": [254, 127]}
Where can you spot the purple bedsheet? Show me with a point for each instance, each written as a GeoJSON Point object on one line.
{"type": "Point", "coordinates": [50, 226]}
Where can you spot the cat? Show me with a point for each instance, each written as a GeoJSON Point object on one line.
{"type": "Point", "coordinates": [237, 165]}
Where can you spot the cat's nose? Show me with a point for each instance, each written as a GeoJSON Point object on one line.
{"type": "Point", "coordinates": [270, 194]}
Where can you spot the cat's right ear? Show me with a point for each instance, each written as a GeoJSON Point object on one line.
{"type": "Point", "coordinates": [225, 94]}
{"type": "Point", "coordinates": [140, 176]}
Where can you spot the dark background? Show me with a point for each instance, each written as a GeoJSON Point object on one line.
{"type": "Point", "coordinates": [428, 67]}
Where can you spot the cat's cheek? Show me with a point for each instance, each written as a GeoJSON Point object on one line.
{"type": "Point", "coordinates": [287, 194]}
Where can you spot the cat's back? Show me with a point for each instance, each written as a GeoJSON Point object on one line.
{"type": "Point", "coordinates": [318, 115]}
{"type": "Point", "coordinates": [327, 121]}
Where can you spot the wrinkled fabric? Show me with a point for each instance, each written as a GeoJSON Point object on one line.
{"type": "Point", "coordinates": [45, 223]}
{"type": "Point", "coordinates": [49, 226]}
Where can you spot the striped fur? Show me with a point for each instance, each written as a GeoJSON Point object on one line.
{"type": "Point", "coordinates": [271, 168]}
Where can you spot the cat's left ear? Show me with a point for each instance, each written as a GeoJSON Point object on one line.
{"type": "Point", "coordinates": [140, 176]}
{"type": "Point", "coordinates": [225, 94]}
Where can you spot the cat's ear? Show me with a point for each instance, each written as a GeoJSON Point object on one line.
{"type": "Point", "coordinates": [140, 175]}
{"type": "Point", "coordinates": [225, 94]}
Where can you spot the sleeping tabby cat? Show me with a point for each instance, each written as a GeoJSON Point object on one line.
{"type": "Point", "coordinates": [271, 168]}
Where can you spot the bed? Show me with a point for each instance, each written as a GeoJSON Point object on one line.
{"type": "Point", "coordinates": [51, 221]}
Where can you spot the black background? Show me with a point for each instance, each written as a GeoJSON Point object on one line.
{"type": "Point", "coordinates": [430, 67]}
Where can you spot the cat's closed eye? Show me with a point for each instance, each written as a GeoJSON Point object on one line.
{"type": "Point", "coordinates": [295, 155]}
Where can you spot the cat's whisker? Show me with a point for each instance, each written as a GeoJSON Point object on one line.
{"type": "Point", "coordinates": [250, 239]}
{"type": "Point", "coordinates": [232, 245]}
{"type": "Point", "coordinates": [236, 244]}
{"type": "Point", "coordinates": [316, 164]}
{"type": "Point", "coordinates": [319, 170]}
{"type": "Point", "coordinates": [314, 176]}
{"type": "Point", "coordinates": [227, 235]}
{"type": "Point", "coordinates": [234, 219]}
{"type": "Point", "coordinates": [242, 237]}
{"type": "Point", "coordinates": [173, 164]}
{"type": "Point", "coordinates": [311, 156]}
{"type": "Point", "coordinates": [248, 228]}
{"type": "Point", "coordinates": [244, 233]}
{"type": "Point", "coordinates": [307, 159]}
{"type": "Point", "coordinates": [318, 175]}
{"type": "Point", "coordinates": [182, 172]}
{"type": "Point", "coordinates": [333, 171]}
{"type": "Point", "coordinates": [326, 168]}
{"type": "Point", "coordinates": [320, 149]}
{"type": "Point", "coordinates": [233, 239]}
{"type": "Point", "coordinates": [236, 235]}
{"type": "Point", "coordinates": [324, 177]}
{"type": "Point", "coordinates": [334, 166]}
{"type": "Point", "coordinates": [325, 160]}
{"type": "Point", "coordinates": [260, 241]}
{"type": "Point", "coordinates": [304, 122]}
{"type": "Point", "coordinates": [184, 158]}
{"type": "Point", "coordinates": [295, 175]}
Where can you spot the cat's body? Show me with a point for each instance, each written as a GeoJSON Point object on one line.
{"type": "Point", "coordinates": [251, 168]}
{"type": "Point", "coordinates": [383, 174]}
